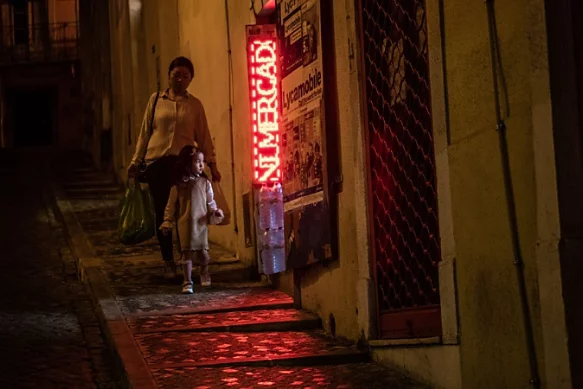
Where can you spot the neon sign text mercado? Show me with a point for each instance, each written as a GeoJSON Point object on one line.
{"type": "Point", "coordinates": [264, 110]}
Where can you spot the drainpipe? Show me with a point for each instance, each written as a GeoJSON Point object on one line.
{"type": "Point", "coordinates": [2, 111]}
{"type": "Point", "coordinates": [230, 66]}
{"type": "Point", "coordinates": [508, 186]}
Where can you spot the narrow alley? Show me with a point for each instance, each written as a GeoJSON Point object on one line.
{"type": "Point", "coordinates": [365, 194]}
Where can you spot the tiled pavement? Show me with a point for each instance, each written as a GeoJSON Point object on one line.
{"type": "Point", "coordinates": [236, 334]}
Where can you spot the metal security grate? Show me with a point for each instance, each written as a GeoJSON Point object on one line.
{"type": "Point", "coordinates": [402, 167]}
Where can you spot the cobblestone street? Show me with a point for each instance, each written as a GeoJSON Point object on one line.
{"type": "Point", "coordinates": [50, 334]}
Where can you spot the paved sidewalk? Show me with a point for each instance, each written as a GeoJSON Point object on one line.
{"type": "Point", "coordinates": [236, 333]}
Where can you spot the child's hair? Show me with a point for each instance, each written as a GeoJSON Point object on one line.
{"type": "Point", "coordinates": [183, 166]}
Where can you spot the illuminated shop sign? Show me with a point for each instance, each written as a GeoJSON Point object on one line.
{"type": "Point", "coordinates": [264, 98]}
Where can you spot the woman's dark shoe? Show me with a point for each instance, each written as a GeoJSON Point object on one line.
{"type": "Point", "coordinates": [170, 270]}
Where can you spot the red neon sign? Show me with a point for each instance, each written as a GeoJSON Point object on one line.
{"type": "Point", "coordinates": [264, 95]}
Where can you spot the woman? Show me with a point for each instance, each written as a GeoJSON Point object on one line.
{"type": "Point", "coordinates": [179, 120]}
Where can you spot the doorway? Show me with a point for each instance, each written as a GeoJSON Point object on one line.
{"type": "Point", "coordinates": [401, 167]}
{"type": "Point", "coordinates": [32, 115]}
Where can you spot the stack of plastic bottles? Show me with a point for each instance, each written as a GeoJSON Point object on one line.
{"type": "Point", "coordinates": [270, 231]}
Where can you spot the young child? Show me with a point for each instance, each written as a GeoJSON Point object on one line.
{"type": "Point", "coordinates": [192, 207]}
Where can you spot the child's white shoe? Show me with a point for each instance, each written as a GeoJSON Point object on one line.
{"type": "Point", "coordinates": [187, 288]}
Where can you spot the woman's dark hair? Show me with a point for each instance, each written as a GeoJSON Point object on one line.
{"type": "Point", "coordinates": [181, 61]}
{"type": "Point", "coordinates": [183, 166]}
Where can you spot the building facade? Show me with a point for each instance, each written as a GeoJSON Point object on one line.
{"type": "Point", "coordinates": [458, 223]}
{"type": "Point", "coordinates": [40, 73]}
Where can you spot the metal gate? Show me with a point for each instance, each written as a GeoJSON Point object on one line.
{"type": "Point", "coordinates": [401, 170]}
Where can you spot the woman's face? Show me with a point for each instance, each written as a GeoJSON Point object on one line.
{"type": "Point", "coordinates": [180, 79]}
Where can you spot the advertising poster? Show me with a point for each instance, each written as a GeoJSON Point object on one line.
{"type": "Point", "coordinates": [307, 217]}
{"type": "Point", "coordinates": [303, 162]}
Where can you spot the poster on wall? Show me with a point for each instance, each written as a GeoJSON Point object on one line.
{"type": "Point", "coordinates": [300, 25]}
{"type": "Point", "coordinates": [307, 215]}
{"type": "Point", "coordinates": [303, 162]}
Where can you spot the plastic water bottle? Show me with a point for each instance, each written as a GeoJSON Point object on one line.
{"type": "Point", "coordinates": [273, 238]}
{"type": "Point", "coordinates": [270, 205]}
{"type": "Point", "coordinates": [263, 204]}
{"type": "Point", "coordinates": [277, 207]}
{"type": "Point", "coordinates": [270, 228]}
{"type": "Point", "coordinates": [273, 260]}
{"type": "Point", "coordinates": [265, 216]}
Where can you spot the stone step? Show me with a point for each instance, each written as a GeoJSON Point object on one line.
{"type": "Point", "coordinates": [348, 376]}
{"type": "Point", "coordinates": [105, 240]}
{"type": "Point", "coordinates": [95, 184]}
{"type": "Point", "coordinates": [152, 262]}
{"type": "Point", "coordinates": [206, 349]}
{"type": "Point", "coordinates": [95, 195]}
{"type": "Point", "coordinates": [220, 273]}
{"type": "Point", "coordinates": [235, 321]}
{"type": "Point", "coordinates": [81, 186]}
{"type": "Point", "coordinates": [93, 191]}
{"type": "Point", "coordinates": [86, 176]}
{"type": "Point", "coordinates": [161, 299]}
{"type": "Point", "coordinates": [82, 169]}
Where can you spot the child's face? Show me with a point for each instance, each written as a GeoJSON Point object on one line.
{"type": "Point", "coordinates": [198, 163]}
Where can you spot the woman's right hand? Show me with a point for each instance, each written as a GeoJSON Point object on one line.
{"type": "Point", "coordinates": [132, 170]}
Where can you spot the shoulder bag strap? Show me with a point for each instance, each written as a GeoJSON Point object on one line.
{"type": "Point", "coordinates": [142, 166]}
{"type": "Point", "coordinates": [154, 113]}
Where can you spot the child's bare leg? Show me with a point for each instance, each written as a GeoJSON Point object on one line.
{"type": "Point", "coordinates": [204, 259]}
{"type": "Point", "coordinates": [187, 269]}
{"type": "Point", "coordinates": [187, 257]}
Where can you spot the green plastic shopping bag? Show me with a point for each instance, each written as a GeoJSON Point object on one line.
{"type": "Point", "coordinates": [137, 221]}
